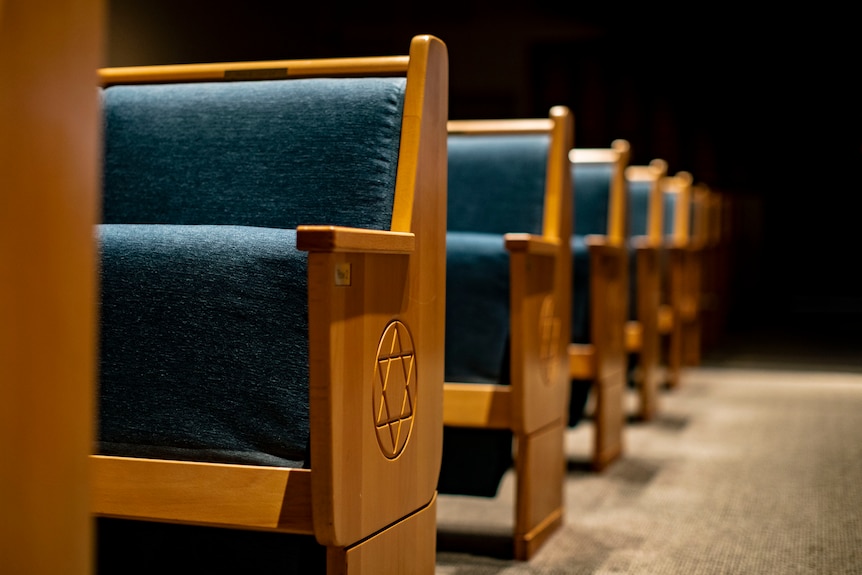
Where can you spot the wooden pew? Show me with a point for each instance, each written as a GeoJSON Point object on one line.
{"type": "Point", "coordinates": [646, 212]}
{"type": "Point", "coordinates": [361, 413]}
{"type": "Point", "coordinates": [677, 304]}
{"type": "Point", "coordinates": [713, 269]}
{"type": "Point", "coordinates": [692, 307]}
{"type": "Point", "coordinates": [508, 285]}
{"type": "Point", "coordinates": [597, 354]}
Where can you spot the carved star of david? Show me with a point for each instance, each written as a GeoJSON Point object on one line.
{"type": "Point", "coordinates": [549, 335]}
{"type": "Point", "coordinates": [395, 389]}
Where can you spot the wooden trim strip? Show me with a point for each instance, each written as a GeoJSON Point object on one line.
{"type": "Point", "coordinates": [484, 405]}
{"type": "Point", "coordinates": [523, 126]}
{"type": "Point", "coordinates": [248, 496]}
{"type": "Point", "coordinates": [254, 70]}
{"type": "Point", "coordinates": [634, 335]}
{"type": "Point", "coordinates": [582, 361]}
{"type": "Point", "coordinates": [665, 319]}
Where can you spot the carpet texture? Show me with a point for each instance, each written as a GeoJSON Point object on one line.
{"type": "Point", "coordinates": [744, 471]}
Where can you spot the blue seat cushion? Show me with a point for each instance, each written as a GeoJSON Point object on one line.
{"type": "Point", "coordinates": [633, 283]}
{"type": "Point", "coordinates": [581, 290]}
{"type": "Point", "coordinates": [477, 307]}
{"type": "Point", "coordinates": [592, 188]}
{"type": "Point", "coordinates": [477, 344]}
{"type": "Point", "coordinates": [269, 153]}
{"type": "Point", "coordinates": [203, 337]}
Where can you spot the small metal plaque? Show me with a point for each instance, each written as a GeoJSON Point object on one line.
{"type": "Point", "coordinates": [342, 274]}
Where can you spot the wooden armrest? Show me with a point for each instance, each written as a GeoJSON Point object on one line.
{"type": "Point", "coordinates": [601, 245]}
{"type": "Point", "coordinates": [343, 239]}
{"type": "Point", "coordinates": [532, 244]}
{"type": "Point", "coordinates": [600, 241]}
{"type": "Point", "coordinates": [644, 243]}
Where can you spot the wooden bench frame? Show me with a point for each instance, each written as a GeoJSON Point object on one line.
{"type": "Point", "coordinates": [714, 268]}
{"type": "Point", "coordinates": [677, 304]}
{"type": "Point", "coordinates": [699, 245]}
{"type": "Point", "coordinates": [373, 513]}
{"type": "Point", "coordinates": [603, 360]}
{"type": "Point", "coordinates": [642, 333]}
{"type": "Point", "coordinates": [532, 406]}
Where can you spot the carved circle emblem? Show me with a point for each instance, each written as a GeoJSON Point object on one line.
{"type": "Point", "coordinates": [549, 336]}
{"type": "Point", "coordinates": [394, 395]}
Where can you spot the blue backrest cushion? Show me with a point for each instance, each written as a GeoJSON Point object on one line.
{"type": "Point", "coordinates": [268, 153]}
{"type": "Point", "coordinates": [670, 201]}
{"type": "Point", "coordinates": [497, 183]}
{"type": "Point", "coordinates": [639, 199]}
{"type": "Point", "coordinates": [592, 191]}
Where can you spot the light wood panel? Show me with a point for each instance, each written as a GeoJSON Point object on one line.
{"type": "Point", "coordinates": [49, 52]}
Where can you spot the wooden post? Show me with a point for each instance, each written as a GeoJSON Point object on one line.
{"type": "Point", "coordinates": [49, 151]}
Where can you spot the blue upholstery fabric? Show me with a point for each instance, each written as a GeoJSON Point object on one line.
{"type": "Point", "coordinates": [633, 283]}
{"type": "Point", "coordinates": [669, 213]}
{"type": "Point", "coordinates": [497, 183]}
{"type": "Point", "coordinates": [592, 189]}
{"type": "Point", "coordinates": [203, 344]}
{"type": "Point", "coordinates": [270, 153]}
{"type": "Point", "coordinates": [477, 307]}
{"type": "Point", "coordinates": [204, 314]}
{"type": "Point", "coordinates": [592, 185]}
{"type": "Point", "coordinates": [580, 322]}
{"type": "Point", "coordinates": [496, 186]}
{"type": "Point", "coordinates": [581, 290]}
{"type": "Point", "coordinates": [639, 196]}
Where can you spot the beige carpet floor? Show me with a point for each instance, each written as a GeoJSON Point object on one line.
{"type": "Point", "coordinates": [744, 471]}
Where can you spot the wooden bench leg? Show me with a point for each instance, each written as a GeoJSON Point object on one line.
{"type": "Point", "coordinates": [648, 281]}
{"type": "Point", "coordinates": [540, 469]}
{"type": "Point", "coordinates": [408, 547]}
{"type": "Point", "coordinates": [609, 417]}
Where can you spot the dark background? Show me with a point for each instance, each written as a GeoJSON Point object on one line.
{"type": "Point", "coordinates": [761, 105]}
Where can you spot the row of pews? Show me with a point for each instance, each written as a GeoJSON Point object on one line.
{"type": "Point", "coordinates": [323, 303]}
